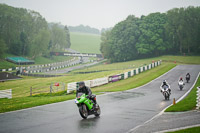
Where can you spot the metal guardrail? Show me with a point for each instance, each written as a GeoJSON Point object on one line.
{"type": "Point", "coordinates": [198, 98]}
{"type": "Point", "coordinates": [101, 81]}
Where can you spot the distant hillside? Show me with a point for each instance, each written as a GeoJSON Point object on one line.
{"type": "Point", "coordinates": [85, 42]}
{"type": "Point", "coordinates": [84, 29]}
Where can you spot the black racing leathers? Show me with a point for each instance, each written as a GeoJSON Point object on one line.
{"type": "Point", "coordinates": [85, 90]}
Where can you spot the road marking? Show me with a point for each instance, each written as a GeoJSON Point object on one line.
{"type": "Point", "coordinates": [176, 129]}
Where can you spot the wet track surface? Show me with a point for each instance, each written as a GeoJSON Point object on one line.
{"type": "Point", "coordinates": [121, 111]}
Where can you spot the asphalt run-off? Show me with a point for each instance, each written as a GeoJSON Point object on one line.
{"type": "Point", "coordinates": [120, 111]}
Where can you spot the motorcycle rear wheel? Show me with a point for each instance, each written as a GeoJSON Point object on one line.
{"type": "Point", "coordinates": [98, 111]}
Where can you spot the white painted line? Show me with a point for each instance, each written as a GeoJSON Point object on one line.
{"type": "Point", "coordinates": [176, 129]}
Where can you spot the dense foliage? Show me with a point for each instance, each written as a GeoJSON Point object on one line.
{"type": "Point", "coordinates": [26, 33]}
{"type": "Point", "coordinates": [174, 32]}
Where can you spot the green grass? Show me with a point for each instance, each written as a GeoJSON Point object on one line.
{"type": "Point", "coordinates": [181, 59]}
{"type": "Point", "coordinates": [188, 103]}
{"type": "Point", "coordinates": [5, 64]}
{"type": "Point", "coordinates": [27, 102]}
{"type": "Point", "coordinates": [135, 81]}
{"type": "Point", "coordinates": [188, 130]}
{"type": "Point", "coordinates": [20, 101]}
{"type": "Point", "coordinates": [85, 43]}
{"type": "Point", "coordinates": [21, 87]}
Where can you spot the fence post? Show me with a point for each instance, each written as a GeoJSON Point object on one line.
{"type": "Point", "coordinates": [31, 91]}
{"type": "Point", "coordinates": [51, 88]}
{"type": "Point", "coordinates": [198, 98]}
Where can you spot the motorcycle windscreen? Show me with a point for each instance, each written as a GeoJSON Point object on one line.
{"type": "Point", "coordinates": [165, 87]}
{"type": "Point", "coordinates": [79, 94]}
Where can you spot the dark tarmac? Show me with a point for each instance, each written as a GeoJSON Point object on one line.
{"type": "Point", "coordinates": [171, 121]}
{"type": "Point", "coordinates": [120, 111]}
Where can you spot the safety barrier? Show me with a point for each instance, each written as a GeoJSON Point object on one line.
{"type": "Point", "coordinates": [6, 93]}
{"type": "Point", "coordinates": [101, 81]}
{"type": "Point", "coordinates": [71, 87]}
{"type": "Point", "coordinates": [198, 98]}
{"type": "Point", "coordinates": [52, 67]}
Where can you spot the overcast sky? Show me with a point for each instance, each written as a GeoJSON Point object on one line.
{"type": "Point", "coordinates": [97, 13]}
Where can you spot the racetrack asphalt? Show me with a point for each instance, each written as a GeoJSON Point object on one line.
{"type": "Point", "coordinates": [171, 121]}
{"type": "Point", "coordinates": [120, 111]}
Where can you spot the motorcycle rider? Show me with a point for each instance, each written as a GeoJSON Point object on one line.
{"type": "Point", "coordinates": [188, 76]}
{"type": "Point", "coordinates": [165, 84]}
{"type": "Point", "coordinates": [84, 89]}
{"type": "Point", "coordinates": [181, 81]}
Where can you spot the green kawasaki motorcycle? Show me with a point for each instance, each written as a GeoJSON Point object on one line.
{"type": "Point", "coordinates": [87, 106]}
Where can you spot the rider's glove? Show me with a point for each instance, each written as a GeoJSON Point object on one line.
{"type": "Point", "coordinates": [88, 97]}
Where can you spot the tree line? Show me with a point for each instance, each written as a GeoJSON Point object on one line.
{"type": "Point", "coordinates": [26, 33]}
{"type": "Point", "coordinates": [175, 32]}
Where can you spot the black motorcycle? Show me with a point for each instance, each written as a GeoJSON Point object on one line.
{"type": "Point", "coordinates": [187, 78]}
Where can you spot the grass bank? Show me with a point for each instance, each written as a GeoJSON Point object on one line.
{"type": "Point", "coordinates": [135, 81]}
{"type": "Point", "coordinates": [188, 103]}
{"type": "Point", "coordinates": [188, 130]}
{"type": "Point", "coordinates": [21, 102]}
{"type": "Point", "coordinates": [21, 87]}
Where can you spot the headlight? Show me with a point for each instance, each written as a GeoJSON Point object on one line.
{"type": "Point", "coordinates": [76, 101]}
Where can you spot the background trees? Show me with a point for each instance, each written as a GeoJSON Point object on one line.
{"type": "Point", "coordinates": [27, 33]}
{"type": "Point", "coordinates": [174, 32]}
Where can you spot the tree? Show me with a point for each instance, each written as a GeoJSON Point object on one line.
{"type": "Point", "coordinates": [67, 37]}
{"type": "Point", "coordinates": [40, 43]}
{"type": "Point", "coordinates": [3, 47]}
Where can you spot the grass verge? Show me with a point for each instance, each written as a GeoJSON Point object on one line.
{"type": "Point", "coordinates": [188, 130]}
{"type": "Point", "coordinates": [135, 81]}
{"type": "Point", "coordinates": [188, 103]}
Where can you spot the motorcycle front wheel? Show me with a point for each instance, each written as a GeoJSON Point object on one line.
{"type": "Point", "coordinates": [83, 111]}
{"type": "Point", "coordinates": [98, 111]}
{"type": "Point", "coordinates": [166, 95]}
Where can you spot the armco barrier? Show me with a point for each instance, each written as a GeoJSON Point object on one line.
{"type": "Point", "coordinates": [114, 78]}
{"type": "Point", "coordinates": [98, 82]}
{"type": "Point", "coordinates": [101, 81]}
{"type": "Point", "coordinates": [125, 75]}
{"type": "Point", "coordinates": [61, 64]}
{"type": "Point", "coordinates": [198, 98]}
{"type": "Point", "coordinates": [6, 93]}
{"type": "Point", "coordinates": [71, 87]}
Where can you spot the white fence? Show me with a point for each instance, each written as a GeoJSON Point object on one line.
{"type": "Point", "coordinates": [40, 68]}
{"type": "Point", "coordinates": [198, 98]}
{"type": "Point", "coordinates": [71, 87]}
{"type": "Point", "coordinates": [98, 82]}
{"type": "Point", "coordinates": [101, 81]}
{"type": "Point", "coordinates": [6, 93]}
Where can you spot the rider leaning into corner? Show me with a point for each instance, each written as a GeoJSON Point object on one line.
{"type": "Point", "coordinates": [163, 84]}
{"type": "Point", "coordinates": [87, 91]}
